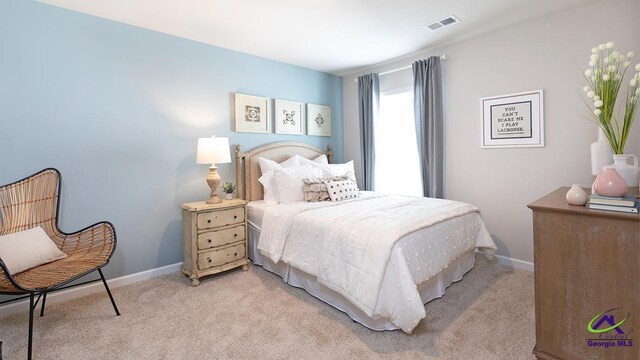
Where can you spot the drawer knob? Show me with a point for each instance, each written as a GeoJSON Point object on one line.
{"type": "Point", "coordinates": [235, 235]}
{"type": "Point", "coordinates": [209, 221]}
{"type": "Point", "coordinates": [209, 259]}
{"type": "Point", "coordinates": [236, 254]}
{"type": "Point", "coordinates": [209, 240]}
{"type": "Point", "coordinates": [235, 216]}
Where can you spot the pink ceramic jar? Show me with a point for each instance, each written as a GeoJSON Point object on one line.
{"type": "Point", "coordinates": [610, 183]}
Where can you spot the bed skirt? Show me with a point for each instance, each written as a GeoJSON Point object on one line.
{"type": "Point", "coordinates": [433, 288]}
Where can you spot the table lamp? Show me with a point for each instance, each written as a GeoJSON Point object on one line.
{"type": "Point", "coordinates": [213, 150]}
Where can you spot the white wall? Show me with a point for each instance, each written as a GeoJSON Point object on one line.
{"type": "Point", "coordinates": [543, 53]}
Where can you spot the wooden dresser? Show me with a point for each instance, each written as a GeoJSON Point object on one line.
{"type": "Point", "coordinates": [587, 262]}
{"type": "Point", "coordinates": [214, 238]}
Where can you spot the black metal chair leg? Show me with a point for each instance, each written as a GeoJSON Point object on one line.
{"type": "Point", "coordinates": [31, 306]}
{"type": "Point", "coordinates": [44, 299]}
{"type": "Point", "coordinates": [109, 292]}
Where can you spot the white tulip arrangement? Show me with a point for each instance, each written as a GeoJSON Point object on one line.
{"type": "Point", "coordinates": [605, 76]}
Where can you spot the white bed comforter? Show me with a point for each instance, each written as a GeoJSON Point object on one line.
{"type": "Point", "coordinates": [355, 239]}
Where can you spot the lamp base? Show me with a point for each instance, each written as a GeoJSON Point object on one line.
{"type": "Point", "coordinates": [214, 200]}
{"type": "Point", "coordinates": [213, 180]}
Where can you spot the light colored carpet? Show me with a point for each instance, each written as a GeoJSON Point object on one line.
{"type": "Point", "coordinates": [242, 315]}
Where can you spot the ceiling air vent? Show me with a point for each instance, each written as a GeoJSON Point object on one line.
{"type": "Point", "coordinates": [450, 20]}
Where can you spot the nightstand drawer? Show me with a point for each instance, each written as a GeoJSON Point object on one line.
{"type": "Point", "coordinates": [213, 219]}
{"type": "Point", "coordinates": [221, 256]}
{"type": "Point", "coordinates": [221, 237]}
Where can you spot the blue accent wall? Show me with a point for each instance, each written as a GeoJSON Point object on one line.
{"type": "Point", "coordinates": [118, 110]}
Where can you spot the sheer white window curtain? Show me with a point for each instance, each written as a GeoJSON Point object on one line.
{"type": "Point", "coordinates": [397, 169]}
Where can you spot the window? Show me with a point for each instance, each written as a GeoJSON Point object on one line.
{"type": "Point", "coordinates": [397, 168]}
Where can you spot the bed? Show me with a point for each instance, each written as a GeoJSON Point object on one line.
{"type": "Point", "coordinates": [421, 245]}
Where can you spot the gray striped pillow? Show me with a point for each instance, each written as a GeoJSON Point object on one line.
{"type": "Point", "coordinates": [315, 189]}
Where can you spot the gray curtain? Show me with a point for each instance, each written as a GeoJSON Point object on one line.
{"type": "Point", "coordinates": [368, 106]}
{"type": "Point", "coordinates": [427, 103]}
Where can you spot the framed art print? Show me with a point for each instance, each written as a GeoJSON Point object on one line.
{"type": "Point", "coordinates": [318, 120]}
{"type": "Point", "coordinates": [513, 120]}
{"type": "Point", "coordinates": [289, 117]}
{"type": "Point", "coordinates": [252, 114]}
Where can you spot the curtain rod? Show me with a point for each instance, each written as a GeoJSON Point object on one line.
{"type": "Point", "coordinates": [442, 57]}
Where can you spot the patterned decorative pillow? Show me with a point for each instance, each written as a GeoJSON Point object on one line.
{"type": "Point", "coordinates": [342, 190]}
{"type": "Point", "coordinates": [315, 189]}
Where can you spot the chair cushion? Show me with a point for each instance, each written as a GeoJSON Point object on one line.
{"type": "Point", "coordinates": [27, 249]}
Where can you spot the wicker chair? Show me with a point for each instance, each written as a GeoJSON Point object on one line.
{"type": "Point", "coordinates": [34, 201]}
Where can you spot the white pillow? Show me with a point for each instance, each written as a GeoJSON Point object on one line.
{"type": "Point", "coordinates": [27, 249]}
{"type": "Point", "coordinates": [322, 160]}
{"type": "Point", "coordinates": [270, 189]}
{"type": "Point", "coordinates": [267, 165]}
{"type": "Point", "coordinates": [330, 170]}
{"type": "Point", "coordinates": [289, 182]}
{"type": "Point", "coordinates": [342, 190]}
{"type": "Point", "coordinates": [343, 169]}
{"type": "Point", "coordinates": [268, 180]}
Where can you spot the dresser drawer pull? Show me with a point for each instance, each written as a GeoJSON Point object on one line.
{"type": "Point", "coordinates": [235, 235]}
{"type": "Point", "coordinates": [236, 254]}
{"type": "Point", "coordinates": [235, 216]}
{"type": "Point", "coordinates": [209, 221]}
{"type": "Point", "coordinates": [209, 240]}
{"type": "Point", "coordinates": [209, 259]}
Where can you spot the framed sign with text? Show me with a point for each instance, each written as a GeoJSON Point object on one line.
{"type": "Point", "coordinates": [514, 120]}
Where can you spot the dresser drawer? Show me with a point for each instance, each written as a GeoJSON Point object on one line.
{"type": "Point", "coordinates": [221, 256]}
{"type": "Point", "coordinates": [207, 220]}
{"type": "Point", "coordinates": [211, 239]}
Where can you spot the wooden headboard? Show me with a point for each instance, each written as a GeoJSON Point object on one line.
{"type": "Point", "coordinates": [248, 168]}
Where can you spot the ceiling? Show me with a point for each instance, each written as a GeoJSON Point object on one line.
{"type": "Point", "coordinates": [334, 36]}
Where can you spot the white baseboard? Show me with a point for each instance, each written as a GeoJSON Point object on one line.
{"type": "Point", "coordinates": [80, 291]}
{"type": "Point", "coordinates": [514, 263]}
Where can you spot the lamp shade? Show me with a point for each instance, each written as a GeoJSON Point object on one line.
{"type": "Point", "coordinates": [213, 150]}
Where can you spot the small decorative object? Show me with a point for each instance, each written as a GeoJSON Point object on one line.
{"type": "Point", "coordinates": [253, 114]}
{"type": "Point", "coordinates": [601, 154]}
{"type": "Point", "coordinates": [576, 195]}
{"type": "Point", "coordinates": [318, 120]}
{"type": "Point", "coordinates": [213, 150]}
{"type": "Point", "coordinates": [610, 183]}
{"type": "Point", "coordinates": [514, 120]}
{"type": "Point", "coordinates": [605, 76]}
{"type": "Point", "coordinates": [629, 173]}
{"type": "Point", "coordinates": [228, 188]}
{"type": "Point", "coordinates": [289, 115]}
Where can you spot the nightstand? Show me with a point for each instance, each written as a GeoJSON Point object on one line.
{"type": "Point", "coordinates": [214, 238]}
